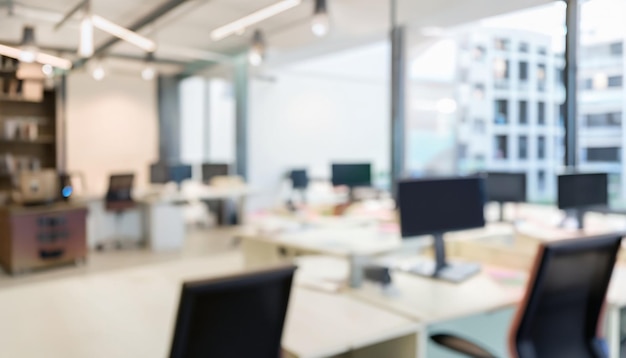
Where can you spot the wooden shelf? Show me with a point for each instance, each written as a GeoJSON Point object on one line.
{"type": "Point", "coordinates": [40, 140]}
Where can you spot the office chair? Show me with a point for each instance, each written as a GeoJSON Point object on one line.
{"type": "Point", "coordinates": [560, 313]}
{"type": "Point", "coordinates": [238, 316]}
{"type": "Point", "coordinates": [118, 200]}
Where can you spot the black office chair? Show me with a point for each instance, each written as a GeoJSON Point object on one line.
{"type": "Point", "coordinates": [561, 310]}
{"type": "Point", "coordinates": [118, 200]}
{"type": "Point", "coordinates": [238, 316]}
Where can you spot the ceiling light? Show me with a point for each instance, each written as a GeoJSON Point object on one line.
{"type": "Point", "coordinates": [254, 18]}
{"type": "Point", "coordinates": [98, 73]}
{"type": "Point", "coordinates": [320, 24]}
{"type": "Point", "coordinates": [47, 70]}
{"type": "Point", "coordinates": [256, 55]}
{"type": "Point", "coordinates": [29, 49]}
{"type": "Point", "coordinates": [42, 58]}
{"type": "Point", "coordinates": [85, 46]}
{"type": "Point", "coordinates": [149, 71]}
{"type": "Point", "coordinates": [123, 33]}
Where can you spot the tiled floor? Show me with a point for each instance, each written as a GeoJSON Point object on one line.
{"type": "Point", "coordinates": [199, 242]}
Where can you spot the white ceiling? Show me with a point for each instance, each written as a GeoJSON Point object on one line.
{"type": "Point", "coordinates": [288, 35]}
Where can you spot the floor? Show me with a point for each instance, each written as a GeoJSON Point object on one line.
{"type": "Point", "coordinates": [199, 242]}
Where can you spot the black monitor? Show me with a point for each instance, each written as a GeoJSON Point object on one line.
{"type": "Point", "coordinates": [238, 316]}
{"type": "Point", "coordinates": [436, 206]}
{"type": "Point", "coordinates": [352, 175]}
{"type": "Point", "coordinates": [578, 193]}
{"type": "Point", "coordinates": [211, 170]}
{"type": "Point", "coordinates": [299, 179]}
{"type": "Point", "coordinates": [505, 187]}
{"type": "Point", "coordinates": [159, 173]}
{"type": "Point", "coordinates": [179, 173]}
{"type": "Point", "coordinates": [581, 191]}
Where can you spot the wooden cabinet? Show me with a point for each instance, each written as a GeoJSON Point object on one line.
{"type": "Point", "coordinates": [39, 237]}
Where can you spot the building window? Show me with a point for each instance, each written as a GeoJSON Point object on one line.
{"type": "Point", "coordinates": [479, 126]}
{"type": "Point", "coordinates": [541, 77]}
{"type": "Point", "coordinates": [541, 113]}
{"type": "Point", "coordinates": [523, 47]}
{"type": "Point", "coordinates": [611, 119]}
{"type": "Point", "coordinates": [501, 68]}
{"type": "Point", "coordinates": [479, 91]}
{"type": "Point", "coordinates": [616, 48]}
{"type": "Point", "coordinates": [523, 71]}
{"type": "Point", "coordinates": [614, 81]}
{"type": "Point", "coordinates": [501, 44]}
{"type": "Point", "coordinates": [542, 50]}
{"type": "Point", "coordinates": [479, 53]}
{"type": "Point", "coordinates": [605, 155]}
{"type": "Point", "coordinates": [502, 147]}
{"type": "Point", "coordinates": [523, 112]}
{"type": "Point", "coordinates": [541, 180]}
{"type": "Point", "coordinates": [501, 111]}
{"type": "Point", "coordinates": [587, 83]}
{"type": "Point", "coordinates": [462, 148]}
{"type": "Point", "coordinates": [522, 147]}
{"type": "Point", "coordinates": [541, 147]}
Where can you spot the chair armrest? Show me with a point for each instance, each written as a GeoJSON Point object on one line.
{"type": "Point", "coordinates": [461, 345]}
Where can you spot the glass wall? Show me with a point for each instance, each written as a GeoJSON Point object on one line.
{"type": "Point", "coordinates": [501, 80]}
{"type": "Point", "coordinates": [601, 92]}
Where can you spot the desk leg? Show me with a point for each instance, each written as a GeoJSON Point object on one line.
{"type": "Point", "coordinates": [241, 210]}
{"type": "Point", "coordinates": [357, 263]}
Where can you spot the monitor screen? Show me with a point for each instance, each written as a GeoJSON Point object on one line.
{"type": "Point", "coordinates": [299, 179]}
{"type": "Point", "coordinates": [209, 171]}
{"type": "Point", "coordinates": [352, 175]}
{"type": "Point", "coordinates": [158, 173]}
{"type": "Point", "coordinates": [583, 190]}
{"type": "Point", "coordinates": [506, 187]}
{"type": "Point", "coordinates": [432, 206]}
{"type": "Point", "coordinates": [179, 173]}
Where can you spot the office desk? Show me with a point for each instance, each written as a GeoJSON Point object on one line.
{"type": "Point", "coordinates": [131, 313]}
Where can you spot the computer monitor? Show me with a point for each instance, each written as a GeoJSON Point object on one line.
{"type": "Point", "coordinates": [179, 173]}
{"type": "Point", "coordinates": [159, 173]}
{"type": "Point", "coordinates": [436, 206]}
{"type": "Point", "coordinates": [237, 316]}
{"type": "Point", "coordinates": [505, 187]}
{"type": "Point", "coordinates": [352, 175]}
{"type": "Point", "coordinates": [211, 170]}
{"type": "Point", "coordinates": [299, 179]}
{"type": "Point", "coordinates": [578, 193]}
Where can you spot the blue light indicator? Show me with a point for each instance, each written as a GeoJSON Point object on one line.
{"type": "Point", "coordinates": [66, 191]}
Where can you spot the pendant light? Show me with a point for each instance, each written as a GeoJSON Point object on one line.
{"type": "Point", "coordinates": [28, 47]}
{"type": "Point", "coordinates": [320, 24]}
{"type": "Point", "coordinates": [149, 71]}
{"type": "Point", "coordinates": [256, 55]}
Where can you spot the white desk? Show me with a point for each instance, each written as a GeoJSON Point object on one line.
{"type": "Point", "coordinates": [131, 313]}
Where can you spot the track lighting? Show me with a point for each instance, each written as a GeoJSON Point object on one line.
{"type": "Point", "coordinates": [85, 46]}
{"type": "Point", "coordinates": [320, 23]}
{"type": "Point", "coordinates": [29, 53]}
{"type": "Point", "coordinates": [28, 48]}
{"type": "Point", "coordinates": [256, 55]}
{"type": "Point", "coordinates": [149, 71]}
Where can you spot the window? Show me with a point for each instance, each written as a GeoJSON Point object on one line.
{"type": "Point", "coordinates": [479, 126]}
{"type": "Point", "coordinates": [501, 44]}
{"type": "Point", "coordinates": [541, 113]}
{"type": "Point", "coordinates": [523, 112]}
{"type": "Point", "coordinates": [614, 81]}
{"type": "Point", "coordinates": [523, 47]}
{"type": "Point", "coordinates": [541, 77]}
{"type": "Point", "coordinates": [501, 112]}
{"type": "Point", "coordinates": [522, 147]}
{"type": "Point", "coordinates": [541, 180]}
{"type": "Point", "coordinates": [462, 151]}
{"type": "Point", "coordinates": [611, 119]}
{"type": "Point", "coordinates": [542, 50]}
{"type": "Point", "coordinates": [587, 83]}
{"type": "Point", "coordinates": [502, 147]}
{"type": "Point", "coordinates": [501, 68]}
{"type": "Point", "coordinates": [523, 71]}
{"type": "Point", "coordinates": [479, 91]}
{"type": "Point", "coordinates": [616, 48]}
{"type": "Point", "coordinates": [541, 147]}
{"type": "Point", "coordinates": [607, 155]}
{"type": "Point", "coordinates": [479, 53]}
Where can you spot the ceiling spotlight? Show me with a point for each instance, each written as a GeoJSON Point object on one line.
{"type": "Point", "coordinates": [47, 70]}
{"type": "Point", "coordinates": [256, 55]}
{"type": "Point", "coordinates": [98, 73]}
{"type": "Point", "coordinates": [320, 24]}
{"type": "Point", "coordinates": [28, 46]}
{"type": "Point", "coordinates": [149, 71]}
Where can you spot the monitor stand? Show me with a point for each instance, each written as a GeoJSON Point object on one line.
{"type": "Point", "coordinates": [501, 204]}
{"type": "Point", "coordinates": [576, 214]}
{"type": "Point", "coordinates": [442, 269]}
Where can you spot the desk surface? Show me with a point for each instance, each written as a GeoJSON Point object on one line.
{"type": "Point", "coordinates": [130, 313]}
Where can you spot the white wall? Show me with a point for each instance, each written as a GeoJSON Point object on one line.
{"type": "Point", "coordinates": [112, 126]}
{"type": "Point", "coordinates": [330, 109]}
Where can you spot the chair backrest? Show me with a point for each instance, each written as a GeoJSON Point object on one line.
{"type": "Point", "coordinates": [560, 313]}
{"type": "Point", "coordinates": [237, 316]}
{"type": "Point", "coordinates": [119, 194]}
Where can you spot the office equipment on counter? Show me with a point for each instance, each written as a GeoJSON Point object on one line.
{"type": "Point", "coordinates": [237, 316]}
{"type": "Point", "coordinates": [436, 206]}
{"type": "Point", "coordinates": [37, 187]}
{"type": "Point", "coordinates": [36, 237]}
{"type": "Point", "coordinates": [211, 170]}
{"type": "Point", "coordinates": [503, 187]}
{"type": "Point", "coordinates": [161, 173]}
{"type": "Point", "coordinates": [578, 193]}
{"type": "Point", "coordinates": [560, 313]}
{"type": "Point", "coordinates": [352, 175]}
